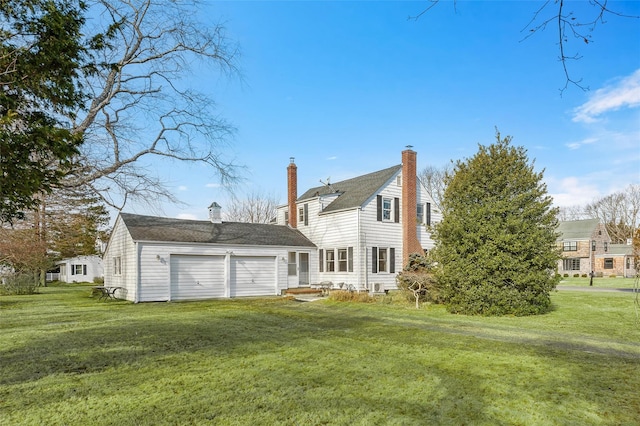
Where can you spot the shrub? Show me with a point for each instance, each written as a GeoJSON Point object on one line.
{"type": "Point", "coordinates": [566, 275]}
{"type": "Point", "coordinates": [98, 280]}
{"type": "Point", "coordinates": [21, 283]}
{"type": "Point", "coordinates": [417, 280]}
{"type": "Point", "coordinates": [576, 275]}
{"type": "Point", "coordinates": [351, 296]}
{"type": "Point", "coordinates": [584, 275]}
{"type": "Point", "coordinates": [612, 276]}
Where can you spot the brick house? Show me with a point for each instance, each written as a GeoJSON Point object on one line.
{"type": "Point", "coordinates": [583, 243]}
{"type": "Point", "coordinates": [618, 261]}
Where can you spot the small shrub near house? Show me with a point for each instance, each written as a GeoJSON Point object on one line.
{"type": "Point", "coordinates": [417, 280]}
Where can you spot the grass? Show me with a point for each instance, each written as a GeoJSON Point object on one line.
{"type": "Point", "coordinates": [600, 282]}
{"type": "Point", "coordinates": [69, 359]}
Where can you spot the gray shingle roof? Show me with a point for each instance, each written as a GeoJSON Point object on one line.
{"type": "Point", "coordinates": [151, 228]}
{"type": "Point", "coordinates": [577, 229]}
{"type": "Point", "coordinates": [353, 192]}
{"type": "Point", "coordinates": [620, 249]}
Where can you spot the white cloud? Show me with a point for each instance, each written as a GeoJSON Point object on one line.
{"type": "Point", "coordinates": [572, 191]}
{"type": "Point", "coordinates": [182, 188]}
{"type": "Point", "coordinates": [576, 145]}
{"type": "Point", "coordinates": [332, 158]}
{"type": "Point", "coordinates": [213, 185]}
{"type": "Point", "coordinates": [624, 93]}
{"type": "Point", "coordinates": [187, 216]}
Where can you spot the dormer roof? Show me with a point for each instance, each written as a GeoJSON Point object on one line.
{"type": "Point", "coordinates": [353, 192]}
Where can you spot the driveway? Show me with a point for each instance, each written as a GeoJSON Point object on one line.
{"type": "Point", "coordinates": [595, 289]}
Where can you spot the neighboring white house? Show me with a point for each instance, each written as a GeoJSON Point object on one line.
{"type": "Point", "coordinates": [358, 232]}
{"type": "Point", "coordinates": [163, 259]}
{"type": "Point", "coordinates": [366, 227]}
{"type": "Point", "coordinates": [80, 269]}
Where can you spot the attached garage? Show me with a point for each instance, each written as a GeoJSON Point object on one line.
{"type": "Point", "coordinates": [164, 259]}
{"type": "Point", "coordinates": [197, 277]}
{"type": "Point", "coordinates": [253, 276]}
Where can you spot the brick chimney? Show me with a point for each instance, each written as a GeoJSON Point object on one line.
{"type": "Point", "coordinates": [292, 192]}
{"type": "Point", "coordinates": [410, 243]}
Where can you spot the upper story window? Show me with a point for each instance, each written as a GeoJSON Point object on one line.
{"type": "Point", "coordinates": [301, 215]}
{"type": "Point", "coordinates": [570, 246]}
{"type": "Point", "coordinates": [420, 213]}
{"type": "Point", "coordinates": [606, 246]}
{"type": "Point", "coordinates": [593, 245]}
{"type": "Point", "coordinates": [386, 209]}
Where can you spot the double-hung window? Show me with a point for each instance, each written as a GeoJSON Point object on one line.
{"type": "Point", "coordinates": [420, 214]}
{"type": "Point", "coordinates": [386, 209]}
{"type": "Point", "coordinates": [570, 246]}
{"type": "Point", "coordinates": [331, 260]}
{"type": "Point", "coordinates": [382, 260]}
{"type": "Point", "coordinates": [117, 265]}
{"type": "Point", "coordinates": [342, 260]}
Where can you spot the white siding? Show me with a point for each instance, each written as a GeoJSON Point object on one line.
{"type": "Point", "coordinates": [155, 261]}
{"type": "Point", "coordinates": [121, 245]}
{"type": "Point", "coordinates": [381, 235]}
{"type": "Point", "coordinates": [197, 277]}
{"type": "Point", "coordinates": [253, 276]}
{"type": "Point", "coordinates": [424, 233]}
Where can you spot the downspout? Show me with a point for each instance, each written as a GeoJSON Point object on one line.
{"type": "Point", "coordinates": [359, 273]}
{"type": "Point", "coordinates": [136, 299]}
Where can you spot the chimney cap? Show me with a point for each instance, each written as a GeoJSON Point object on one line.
{"type": "Point", "coordinates": [292, 160]}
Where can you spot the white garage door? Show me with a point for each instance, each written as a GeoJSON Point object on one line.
{"type": "Point", "coordinates": [197, 277]}
{"type": "Point", "coordinates": [253, 276]}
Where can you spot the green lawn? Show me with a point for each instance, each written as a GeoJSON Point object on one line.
{"type": "Point", "coordinates": [68, 359]}
{"type": "Point", "coordinates": [601, 282]}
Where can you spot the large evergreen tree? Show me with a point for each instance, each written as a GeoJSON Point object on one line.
{"type": "Point", "coordinates": [41, 53]}
{"type": "Point", "coordinates": [496, 243]}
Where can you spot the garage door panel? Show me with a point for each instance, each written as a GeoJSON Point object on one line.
{"type": "Point", "coordinates": [253, 276]}
{"type": "Point", "coordinates": [197, 277]}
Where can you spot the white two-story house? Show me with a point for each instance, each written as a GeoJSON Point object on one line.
{"type": "Point", "coordinates": [364, 228]}
{"type": "Point", "coordinates": [357, 234]}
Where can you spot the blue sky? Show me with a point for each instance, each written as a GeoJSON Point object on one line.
{"type": "Point", "coordinates": [345, 86]}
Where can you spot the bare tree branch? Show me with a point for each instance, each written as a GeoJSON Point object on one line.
{"type": "Point", "coordinates": [142, 105]}
{"type": "Point", "coordinates": [257, 207]}
{"type": "Point", "coordinates": [568, 24]}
